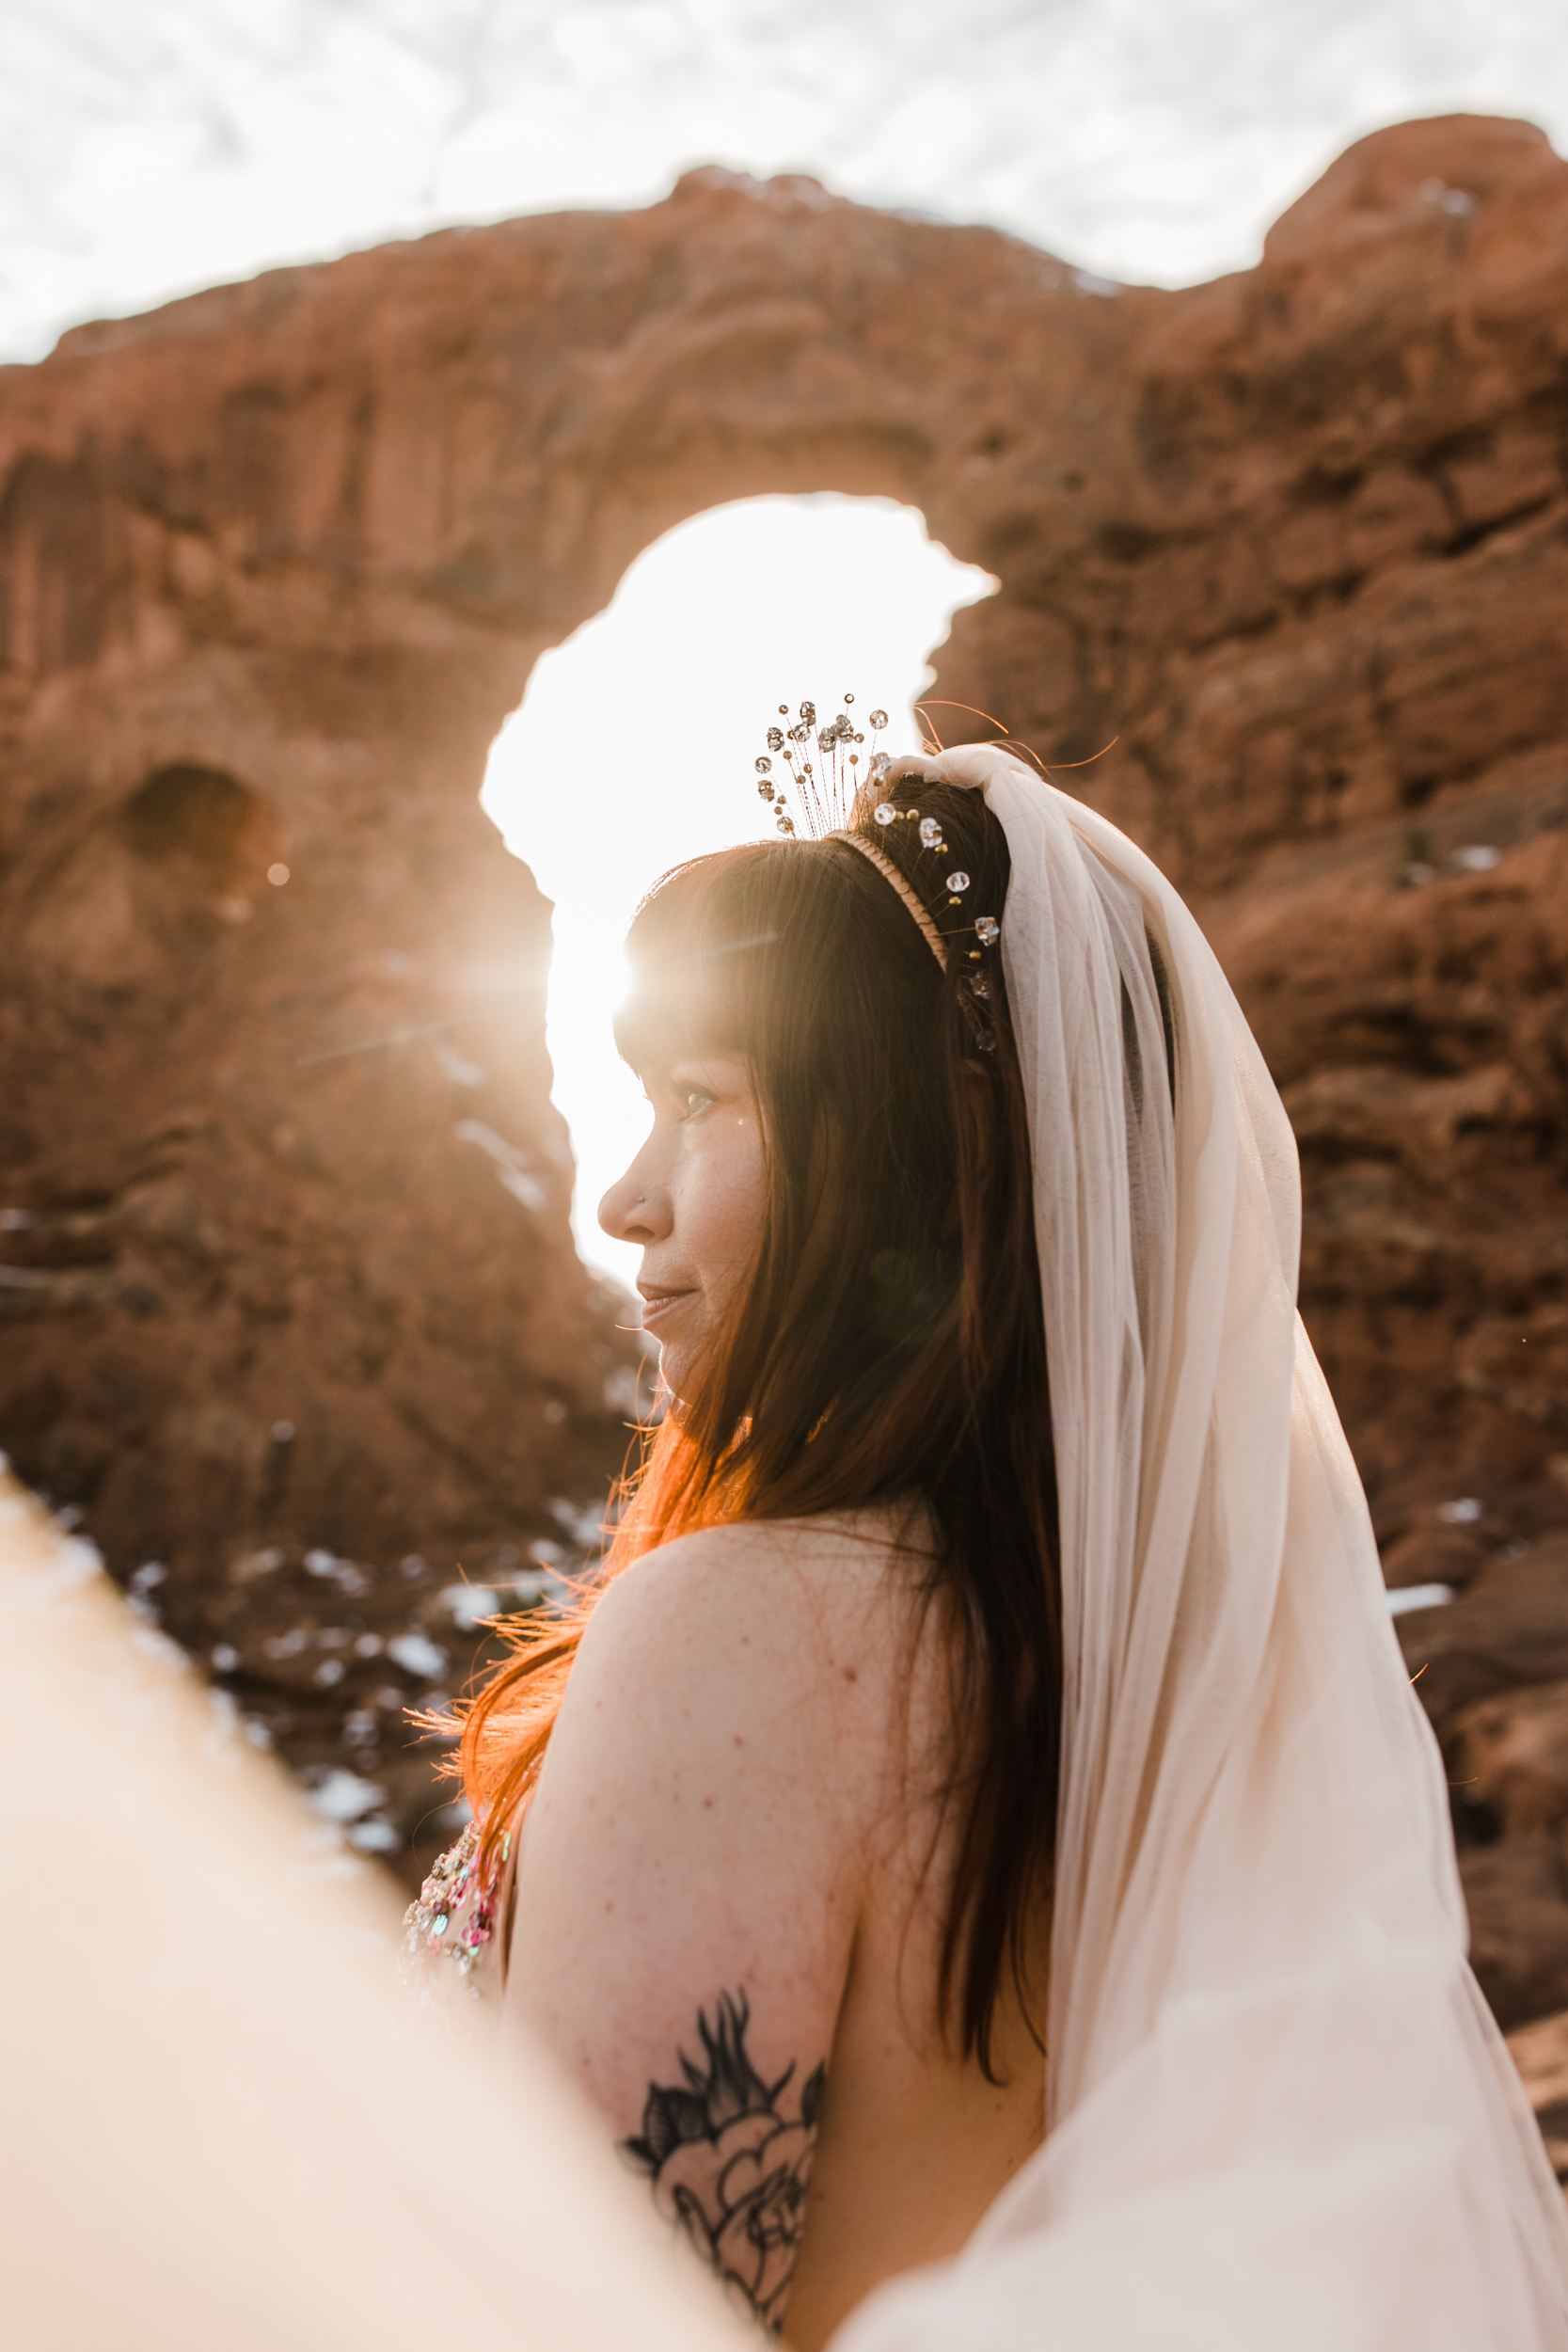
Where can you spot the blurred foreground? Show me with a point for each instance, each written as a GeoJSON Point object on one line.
{"type": "Point", "coordinates": [223, 2127]}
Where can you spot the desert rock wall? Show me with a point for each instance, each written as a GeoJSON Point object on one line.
{"type": "Point", "coordinates": [285, 1269]}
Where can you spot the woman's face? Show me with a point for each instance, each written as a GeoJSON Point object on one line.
{"type": "Point", "coordinates": [693, 1199]}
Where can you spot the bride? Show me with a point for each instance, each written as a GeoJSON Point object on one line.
{"type": "Point", "coordinates": [977, 1848]}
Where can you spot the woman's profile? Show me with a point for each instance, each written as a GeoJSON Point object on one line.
{"type": "Point", "coordinates": [978, 1827]}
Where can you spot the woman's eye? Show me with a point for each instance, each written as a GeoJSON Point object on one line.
{"type": "Point", "coordinates": [694, 1099]}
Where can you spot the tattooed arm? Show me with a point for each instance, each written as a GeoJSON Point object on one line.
{"type": "Point", "coordinates": [729, 2156]}
{"type": "Point", "coordinates": [688, 1885]}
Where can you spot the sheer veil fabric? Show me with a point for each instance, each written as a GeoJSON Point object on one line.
{"type": "Point", "coordinates": [1279, 2114]}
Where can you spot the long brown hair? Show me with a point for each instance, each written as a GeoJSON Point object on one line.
{"type": "Point", "coordinates": [889, 1341]}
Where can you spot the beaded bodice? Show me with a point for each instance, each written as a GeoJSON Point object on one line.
{"type": "Point", "coordinates": [450, 1930]}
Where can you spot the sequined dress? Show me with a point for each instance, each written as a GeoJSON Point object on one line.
{"type": "Point", "coordinates": [453, 1931]}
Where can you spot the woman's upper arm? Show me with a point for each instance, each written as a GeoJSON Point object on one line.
{"type": "Point", "coordinates": [688, 1885]}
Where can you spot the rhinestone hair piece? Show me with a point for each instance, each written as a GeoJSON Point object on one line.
{"type": "Point", "coordinates": [822, 767]}
{"type": "Point", "coordinates": [819, 766]}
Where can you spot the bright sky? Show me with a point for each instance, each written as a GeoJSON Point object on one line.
{"type": "Point", "coordinates": [152, 147]}
{"type": "Point", "coordinates": [147, 147]}
{"type": "Point", "coordinates": [635, 744]}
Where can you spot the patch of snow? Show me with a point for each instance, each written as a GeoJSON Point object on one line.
{"type": "Point", "coordinates": [344, 1573]}
{"type": "Point", "coordinates": [343, 1796]}
{"type": "Point", "coordinates": [583, 1522]}
{"type": "Point", "coordinates": [1403, 1597]}
{"type": "Point", "coordinates": [374, 1836]}
{"type": "Point", "coordinates": [468, 1604]}
{"type": "Point", "coordinates": [417, 1654]}
{"type": "Point", "coordinates": [158, 1647]}
{"type": "Point", "coordinates": [76, 1561]}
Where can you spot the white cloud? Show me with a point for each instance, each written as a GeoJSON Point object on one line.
{"type": "Point", "coordinates": [147, 147]}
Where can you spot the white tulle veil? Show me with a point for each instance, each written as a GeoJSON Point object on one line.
{"type": "Point", "coordinates": [1279, 2114]}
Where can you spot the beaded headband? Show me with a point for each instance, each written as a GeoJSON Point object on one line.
{"type": "Point", "coordinates": [885, 866]}
{"type": "Point", "coordinates": [827, 799]}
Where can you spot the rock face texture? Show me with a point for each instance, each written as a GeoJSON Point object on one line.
{"type": "Point", "coordinates": [1491, 1668]}
{"type": "Point", "coordinates": [284, 1261]}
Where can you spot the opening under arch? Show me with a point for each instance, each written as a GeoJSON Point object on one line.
{"type": "Point", "coordinates": [632, 747]}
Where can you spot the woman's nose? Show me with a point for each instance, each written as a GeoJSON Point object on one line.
{"type": "Point", "coordinates": [635, 1209]}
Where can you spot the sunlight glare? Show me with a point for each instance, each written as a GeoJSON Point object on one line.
{"type": "Point", "coordinates": [633, 746]}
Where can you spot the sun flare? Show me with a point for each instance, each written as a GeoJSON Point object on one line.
{"type": "Point", "coordinates": [632, 747]}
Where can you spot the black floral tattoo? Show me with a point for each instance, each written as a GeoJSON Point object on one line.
{"type": "Point", "coordinates": [729, 2165]}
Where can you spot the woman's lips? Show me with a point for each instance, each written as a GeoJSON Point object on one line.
{"type": "Point", "coordinates": [659, 1306]}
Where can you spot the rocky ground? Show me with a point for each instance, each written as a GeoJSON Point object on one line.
{"type": "Point", "coordinates": [348, 1670]}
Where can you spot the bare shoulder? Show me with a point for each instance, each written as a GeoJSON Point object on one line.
{"type": "Point", "coordinates": [768, 1664]}
{"type": "Point", "coordinates": [701, 1824]}
{"type": "Point", "coordinates": [793, 1603]}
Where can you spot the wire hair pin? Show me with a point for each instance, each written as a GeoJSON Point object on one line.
{"type": "Point", "coordinates": [825, 794]}
{"type": "Point", "coordinates": [1014, 743]}
{"type": "Point", "coordinates": [834, 787]}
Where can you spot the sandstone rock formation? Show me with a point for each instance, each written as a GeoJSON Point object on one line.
{"type": "Point", "coordinates": [283, 1249]}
